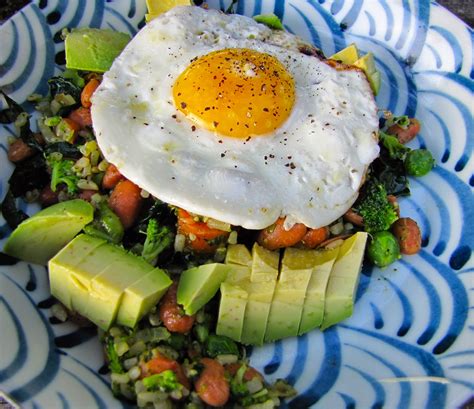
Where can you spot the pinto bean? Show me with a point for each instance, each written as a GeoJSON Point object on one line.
{"type": "Point", "coordinates": [48, 197]}
{"type": "Point", "coordinates": [19, 150]}
{"type": "Point", "coordinates": [314, 237]}
{"type": "Point", "coordinates": [405, 135]}
{"type": "Point", "coordinates": [276, 237]}
{"type": "Point", "coordinates": [408, 234]}
{"type": "Point", "coordinates": [355, 218]}
{"type": "Point", "coordinates": [212, 385]}
{"type": "Point", "coordinates": [172, 314]}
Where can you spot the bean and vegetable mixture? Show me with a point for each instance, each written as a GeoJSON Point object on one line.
{"type": "Point", "coordinates": [171, 359]}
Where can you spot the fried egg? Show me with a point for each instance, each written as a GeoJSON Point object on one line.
{"type": "Point", "coordinates": [226, 118]}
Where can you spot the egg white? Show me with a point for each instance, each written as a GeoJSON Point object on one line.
{"type": "Point", "coordinates": [309, 170]}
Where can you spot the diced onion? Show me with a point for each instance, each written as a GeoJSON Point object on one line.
{"type": "Point", "coordinates": [225, 359]}
{"type": "Point", "coordinates": [120, 377]}
{"type": "Point", "coordinates": [130, 362]}
{"type": "Point", "coordinates": [134, 373]}
{"type": "Point", "coordinates": [59, 312]}
{"type": "Point", "coordinates": [232, 239]}
{"type": "Point", "coordinates": [121, 348]}
{"type": "Point", "coordinates": [216, 224]}
{"type": "Point", "coordinates": [179, 242]}
{"type": "Point", "coordinates": [254, 385]}
{"type": "Point", "coordinates": [337, 228]}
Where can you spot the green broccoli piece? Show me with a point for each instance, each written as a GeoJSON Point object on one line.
{"type": "Point", "coordinates": [165, 381]}
{"type": "Point", "coordinates": [62, 172]}
{"type": "Point", "coordinates": [396, 150]}
{"type": "Point", "coordinates": [375, 208]}
{"type": "Point", "coordinates": [157, 239]}
{"type": "Point", "coordinates": [113, 358]}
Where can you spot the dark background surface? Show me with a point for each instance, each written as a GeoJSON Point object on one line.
{"type": "Point", "coordinates": [464, 9]}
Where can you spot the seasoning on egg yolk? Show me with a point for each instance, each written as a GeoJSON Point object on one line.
{"type": "Point", "coordinates": [236, 92]}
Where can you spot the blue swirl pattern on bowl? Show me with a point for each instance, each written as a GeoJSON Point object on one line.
{"type": "Point", "coordinates": [410, 340]}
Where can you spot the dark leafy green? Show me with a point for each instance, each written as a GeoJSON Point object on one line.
{"type": "Point", "coordinates": [30, 174]}
{"type": "Point", "coordinates": [220, 345]}
{"type": "Point", "coordinates": [396, 150]}
{"type": "Point", "coordinates": [66, 86]}
{"type": "Point", "coordinates": [9, 114]}
{"type": "Point", "coordinates": [392, 174]}
{"type": "Point", "coordinates": [106, 225]}
{"type": "Point", "coordinates": [68, 150]}
{"type": "Point", "coordinates": [12, 215]}
{"type": "Point", "coordinates": [67, 109]}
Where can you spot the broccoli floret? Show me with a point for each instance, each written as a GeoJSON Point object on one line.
{"type": "Point", "coordinates": [62, 172]}
{"type": "Point", "coordinates": [375, 208]}
{"type": "Point", "coordinates": [165, 381]}
{"type": "Point", "coordinates": [157, 239]}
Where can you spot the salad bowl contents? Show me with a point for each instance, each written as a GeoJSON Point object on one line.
{"type": "Point", "coordinates": [210, 185]}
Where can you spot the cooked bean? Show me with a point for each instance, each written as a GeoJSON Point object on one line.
{"type": "Point", "coordinates": [212, 385]}
{"type": "Point", "coordinates": [408, 234]}
{"type": "Point", "coordinates": [19, 150]}
{"type": "Point", "coordinates": [172, 315]}
{"type": "Point", "coordinates": [405, 135]}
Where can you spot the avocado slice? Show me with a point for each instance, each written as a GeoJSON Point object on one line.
{"type": "Point", "coordinates": [343, 280]}
{"type": "Point", "coordinates": [247, 301]}
{"type": "Point", "coordinates": [139, 298]}
{"type": "Point", "coordinates": [106, 289]}
{"type": "Point", "coordinates": [41, 236]}
{"type": "Point", "coordinates": [237, 273]}
{"type": "Point", "coordinates": [73, 268]}
{"type": "Point", "coordinates": [348, 55]}
{"type": "Point", "coordinates": [198, 285]}
{"type": "Point", "coordinates": [264, 264]}
{"type": "Point", "coordinates": [103, 282]}
{"type": "Point", "coordinates": [93, 49]}
{"type": "Point", "coordinates": [60, 266]}
{"type": "Point", "coordinates": [232, 307]}
{"type": "Point", "coordinates": [260, 296]}
{"type": "Point", "coordinates": [367, 64]}
{"type": "Point", "coordinates": [313, 308]}
{"type": "Point", "coordinates": [288, 300]}
{"type": "Point", "coordinates": [238, 254]}
{"type": "Point", "coordinates": [157, 7]}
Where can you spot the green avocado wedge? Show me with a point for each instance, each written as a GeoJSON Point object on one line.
{"type": "Point", "coordinates": [93, 49]}
{"type": "Point", "coordinates": [40, 237]}
{"type": "Point", "coordinates": [198, 285]}
{"type": "Point", "coordinates": [105, 283]}
{"type": "Point", "coordinates": [344, 280]}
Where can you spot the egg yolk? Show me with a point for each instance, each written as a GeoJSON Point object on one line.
{"type": "Point", "coordinates": [236, 92]}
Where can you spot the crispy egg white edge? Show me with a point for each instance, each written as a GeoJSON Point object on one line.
{"type": "Point", "coordinates": [166, 167]}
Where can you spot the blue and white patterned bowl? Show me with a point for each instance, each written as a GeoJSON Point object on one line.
{"type": "Point", "coordinates": [410, 342]}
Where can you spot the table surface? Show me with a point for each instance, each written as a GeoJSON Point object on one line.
{"type": "Point", "coordinates": [464, 9]}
